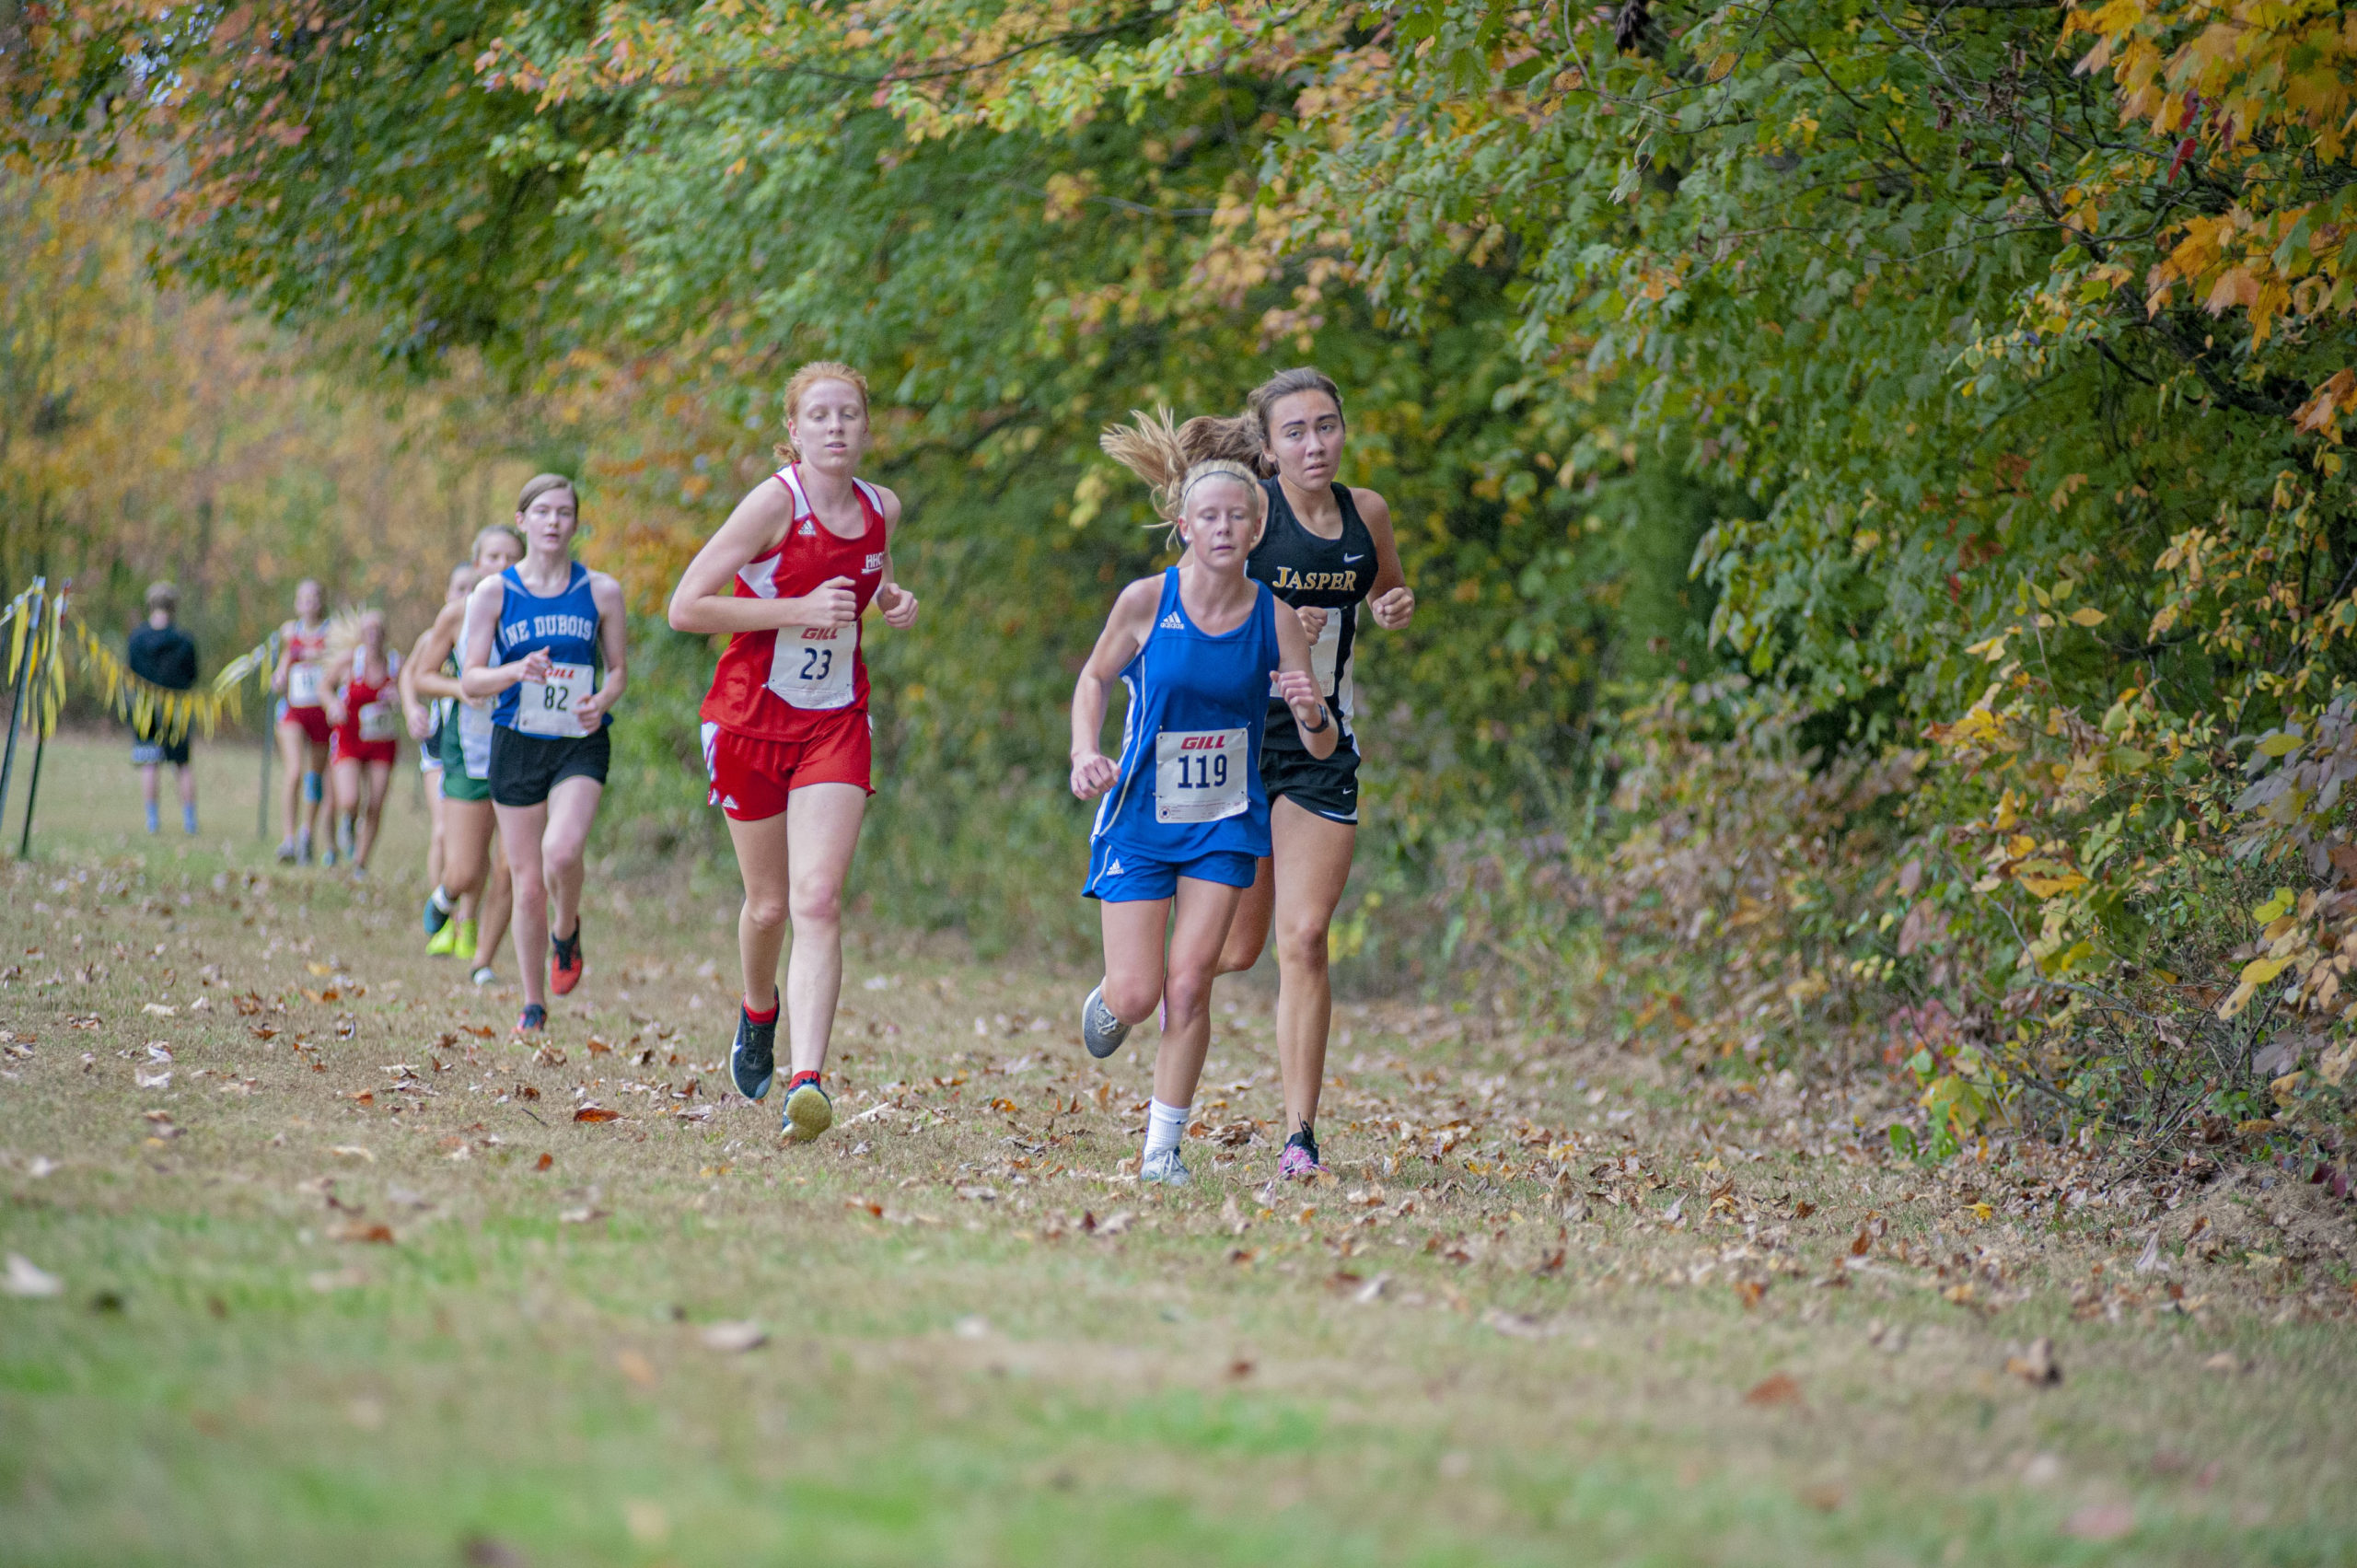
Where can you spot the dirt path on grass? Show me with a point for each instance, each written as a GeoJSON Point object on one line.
{"type": "Point", "coordinates": [340, 1270]}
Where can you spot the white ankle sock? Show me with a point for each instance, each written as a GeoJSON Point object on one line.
{"type": "Point", "coordinates": [1164, 1124]}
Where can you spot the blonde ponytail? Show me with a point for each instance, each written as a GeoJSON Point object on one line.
{"type": "Point", "coordinates": [1173, 460]}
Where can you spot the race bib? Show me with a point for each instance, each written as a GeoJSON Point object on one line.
{"type": "Point", "coordinates": [376, 721]}
{"type": "Point", "coordinates": [1325, 654]}
{"type": "Point", "coordinates": [1200, 774]}
{"type": "Point", "coordinates": [813, 665]}
{"type": "Point", "coordinates": [303, 685]}
{"type": "Point", "coordinates": [545, 707]}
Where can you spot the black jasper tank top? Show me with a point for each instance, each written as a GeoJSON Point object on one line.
{"type": "Point", "coordinates": [1332, 574]}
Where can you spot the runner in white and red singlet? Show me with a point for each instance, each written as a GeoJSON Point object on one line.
{"type": "Point", "coordinates": [786, 726]}
{"type": "Point", "coordinates": [302, 724]}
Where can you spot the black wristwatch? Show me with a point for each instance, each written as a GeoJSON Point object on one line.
{"type": "Point", "coordinates": [1323, 721]}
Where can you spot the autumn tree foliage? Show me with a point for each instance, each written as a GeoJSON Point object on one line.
{"type": "Point", "coordinates": [1989, 364]}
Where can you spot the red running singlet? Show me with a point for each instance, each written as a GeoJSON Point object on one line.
{"type": "Point", "coordinates": [788, 683]}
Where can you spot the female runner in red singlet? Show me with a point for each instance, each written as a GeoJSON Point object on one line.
{"type": "Point", "coordinates": [785, 731]}
{"type": "Point", "coordinates": [367, 711]}
{"type": "Point", "coordinates": [302, 727]}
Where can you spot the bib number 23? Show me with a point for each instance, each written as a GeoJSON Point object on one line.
{"type": "Point", "coordinates": [545, 707]}
{"type": "Point", "coordinates": [813, 666]}
{"type": "Point", "coordinates": [1199, 776]}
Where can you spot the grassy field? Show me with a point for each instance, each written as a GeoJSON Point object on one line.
{"type": "Point", "coordinates": [343, 1278]}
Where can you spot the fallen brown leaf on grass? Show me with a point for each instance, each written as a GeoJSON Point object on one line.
{"type": "Point", "coordinates": [1749, 1291]}
{"type": "Point", "coordinates": [595, 1113]}
{"type": "Point", "coordinates": [481, 1031]}
{"type": "Point", "coordinates": [637, 1368]}
{"type": "Point", "coordinates": [1777, 1388]}
{"type": "Point", "coordinates": [544, 1162]}
{"type": "Point", "coordinates": [1826, 1497]}
{"type": "Point", "coordinates": [2036, 1366]}
{"type": "Point", "coordinates": [361, 1230]}
{"type": "Point", "coordinates": [352, 1152]}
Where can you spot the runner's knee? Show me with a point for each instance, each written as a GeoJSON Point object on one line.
{"type": "Point", "coordinates": [1301, 947]}
{"type": "Point", "coordinates": [1131, 998]}
{"type": "Point", "coordinates": [766, 912]}
{"type": "Point", "coordinates": [1189, 992]}
{"type": "Point", "coordinates": [817, 901]}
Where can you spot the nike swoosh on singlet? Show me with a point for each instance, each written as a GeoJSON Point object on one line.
{"type": "Point", "coordinates": [1348, 559]}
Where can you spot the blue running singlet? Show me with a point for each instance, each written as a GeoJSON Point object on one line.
{"type": "Point", "coordinates": [1191, 743]}
{"type": "Point", "coordinates": [564, 626]}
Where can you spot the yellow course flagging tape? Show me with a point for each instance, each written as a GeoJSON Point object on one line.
{"type": "Point", "coordinates": [37, 632]}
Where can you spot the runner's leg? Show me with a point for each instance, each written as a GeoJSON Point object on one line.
{"type": "Point", "coordinates": [1136, 933]}
{"type": "Point", "coordinates": [1198, 930]}
{"type": "Point", "coordinates": [572, 811]}
{"type": "Point", "coordinates": [379, 784]}
{"type": "Point", "coordinates": [294, 746]}
{"type": "Point", "coordinates": [316, 754]}
{"type": "Point", "coordinates": [187, 796]}
{"type": "Point", "coordinates": [433, 777]}
{"type": "Point", "coordinates": [147, 790]}
{"type": "Point", "coordinates": [1312, 864]}
{"type": "Point", "coordinates": [1248, 931]}
{"type": "Point", "coordinates": [520, 829]}
{"type": "Point", "coordinates": [762, 864]}
{"type": "Point", "coordinates": [347, 785]}
{"type": "Point", "coordinates": [822, 830]}
{"type": "Point", "coordinates": [495, 903]}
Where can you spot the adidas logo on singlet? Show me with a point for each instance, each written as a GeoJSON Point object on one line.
{"type": "Point", "coordinates": [806, 530]}
{"type": "Point", "coordinates": [1171, 623]}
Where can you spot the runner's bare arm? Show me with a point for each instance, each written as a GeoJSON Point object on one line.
{"type": "Point", "coordinates": [422, 677]}
{"type": "Point", "coordinates": [1390, 601]}
{"type": "Point", "coordinates": [1298, 687]}
{"type": "Point", "coordinates": [705, 601]}
{"type": "Point", "coordinates": [613, 646]}
{"type": "Point", "coordinates": [331, 683]}
{"type": "Point", "coordinates": [482, 678]}
{"type": "Point", "coordinates": [1125, 633]}
{"type": "Point", "coordinates": [414, 711]}
{"type": "Point", "coordinates": [898, 605]}
{"type": "Point", "coordinates": [285, 657]}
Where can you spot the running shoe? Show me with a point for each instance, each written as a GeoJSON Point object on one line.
{"type": "Point", "coordinates": [438, 914]}
{"type": "Point", "coordinates": [752, 1061]}
{"type": "Point", "coordinates": [1099, 1030]}
{"type": "Point", "coordinates": [327, 856]}
{"type": "Point", "coordinates": [564, 961]}
{"type": "Point", "coordinates": [809, 1111]}
{"type": "Point", "coordinates": [1299, 1163]}
{"type": "Point", "coordinates": [469, 931]}
{"type": "Point", "coordinates": [1164, 1170]}
{"type": "Point", "coordinates": [286, 851]}
{"type": "Point", "coordinates": [444, 943]}
{"type": "Point", "coordinates": [534, 1020]}
{"type": "Point", "coordinates": [485, 976]}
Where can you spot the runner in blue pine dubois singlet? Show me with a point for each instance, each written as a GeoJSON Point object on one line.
{"type": "Point", "coordinates": [1190, 801]}
{"type": "Point", "coordinates": [563, 626]}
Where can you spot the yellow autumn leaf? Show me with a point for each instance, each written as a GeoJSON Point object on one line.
{"type": "Point", "coordinates": [2259, 971]}
{"type": "Point", "coordinates": [2048, 886]}
{"type": "Point", "coordinates": [2088, 615]}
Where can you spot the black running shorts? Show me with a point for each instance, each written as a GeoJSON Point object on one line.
{"type": "Point", "coordinates": [1329, 788]}
{"type": "Point", "coordinates": [524, 768]}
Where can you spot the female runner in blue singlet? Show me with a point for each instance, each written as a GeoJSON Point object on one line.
{"type": "Point", "coordinates": [545, 637]}
{"type": "Point", "coordinates": [1184, 818]}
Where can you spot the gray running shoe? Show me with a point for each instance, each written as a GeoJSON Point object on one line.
{"type": "Point", "coordinates": [1164, 1168]}
{"type": "Point", "coordinates": [1103, 1032]}
{"type": "Point", "coordinates": [485, 976]}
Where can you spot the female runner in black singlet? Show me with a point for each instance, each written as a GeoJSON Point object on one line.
{"type": "Point", "coordinates": [1328, 549]}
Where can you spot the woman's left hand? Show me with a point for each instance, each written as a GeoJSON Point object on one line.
{"type": "Point", "coordinates": [1298, 690]}
{"type": "Point", "coordinates": [1394, 609]}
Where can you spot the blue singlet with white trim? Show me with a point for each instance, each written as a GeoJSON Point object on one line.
{"type": "Point", "coordinates": [1191, 743]}
{"type": "Point", "coordinates": [564, 625]}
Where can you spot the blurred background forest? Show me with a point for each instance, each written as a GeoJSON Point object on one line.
{"type": "Point", "coordinates": [1872, 477]}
